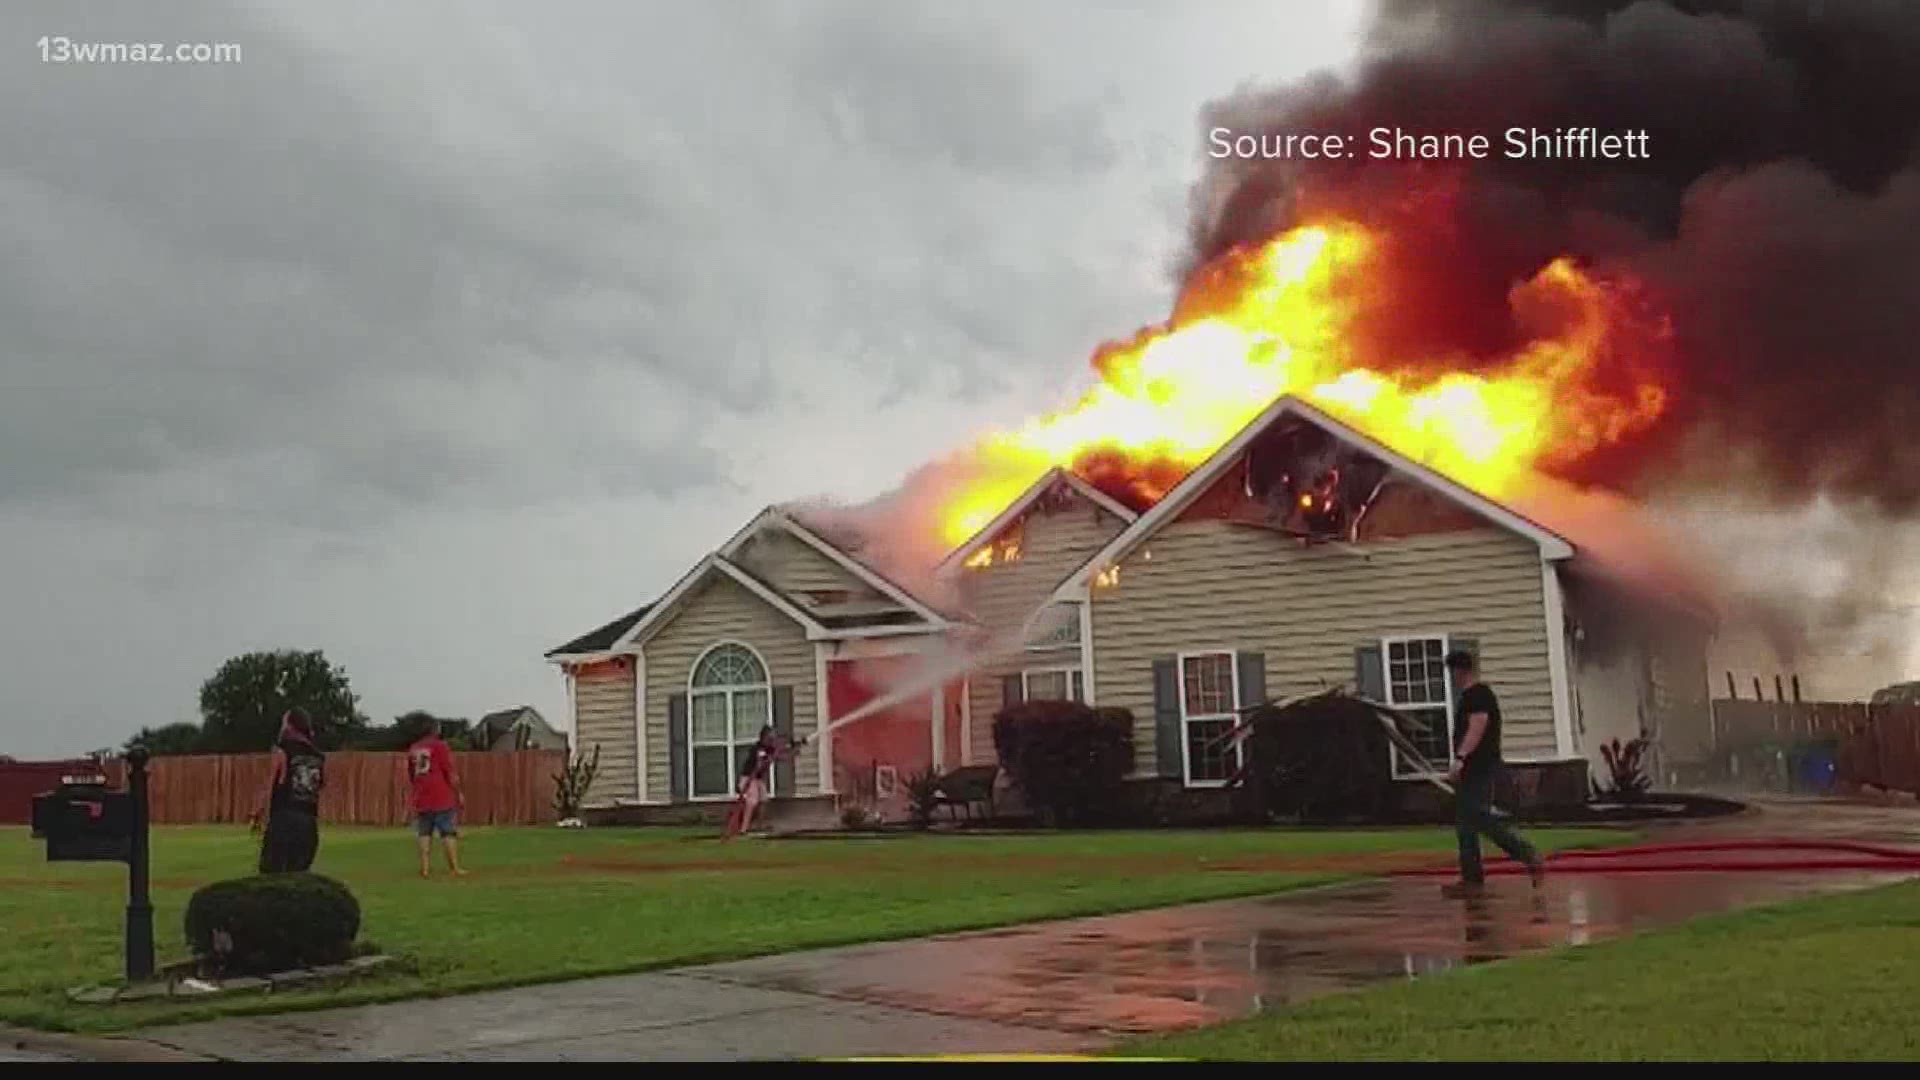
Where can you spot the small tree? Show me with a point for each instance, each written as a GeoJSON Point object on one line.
{"type": "Point", "coordinates": [1069, 760]}
{"type": "Point", "coordinates": [572, 782]}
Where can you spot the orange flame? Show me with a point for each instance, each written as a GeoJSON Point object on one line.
{"type": "Point", "coordinates": [1278, 319]}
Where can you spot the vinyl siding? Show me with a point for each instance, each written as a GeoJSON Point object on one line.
{"type": "Point", "coordinates": [791, 567]}
{"type": "Point", "coordinates": [603, 698]}
{"type": "Point", "coordinates": [1055, 543]}
{"type": "Point", "coordinates": [723, 610]}
{"type": "Point", "coordinates": [1209, 583]}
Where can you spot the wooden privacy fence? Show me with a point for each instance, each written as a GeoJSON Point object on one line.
{"type": "Point", "coordinates": [1877, 745]}
{"type": "Point", "coordinates": [363, 787]}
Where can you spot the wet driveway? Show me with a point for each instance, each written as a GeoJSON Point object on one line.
{"type": "Point", "coordinates": [1051, 987]}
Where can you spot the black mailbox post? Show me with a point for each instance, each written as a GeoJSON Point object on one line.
{"type": "Point", "coordinates": [83, 821]}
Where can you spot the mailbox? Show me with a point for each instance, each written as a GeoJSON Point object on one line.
{"type": "Point", "coordinates": [83, 821]}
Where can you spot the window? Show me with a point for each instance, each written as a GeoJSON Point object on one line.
{"type": "Point", "coordinates": [728, 702]}
{"type": "Point", "coordinates": [1417, 685]}
{"type": "Point", "coordinates": [1053, 684]}
{"type": "Point", "coordinates": [1209, 696]}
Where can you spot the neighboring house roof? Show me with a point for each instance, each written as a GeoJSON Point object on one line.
{"type": "Point", "coordinates": [600, 638]}
{"type": "Point", "coordinates": [1019, 506]}
{"type": "Point", "coordinates": [1552, 546]}
{"type": "Point", "coordinates": [500, 725]}
{"type": "Point", "coordinates": [503, 719]}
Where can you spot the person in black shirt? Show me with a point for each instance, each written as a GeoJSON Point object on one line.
{"type": "Point", "coordinates": [1476, 765]}
{"type": "Point", "coordinates": [292, 803]}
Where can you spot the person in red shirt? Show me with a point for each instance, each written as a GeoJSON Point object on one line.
{"type": "Point", "coordinates": [434, 798]}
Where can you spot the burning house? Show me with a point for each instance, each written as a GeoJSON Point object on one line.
{"type": "Point", "coordinates": [1398, 407]}
{"type": "Point", "coordinates": [1301, 554]}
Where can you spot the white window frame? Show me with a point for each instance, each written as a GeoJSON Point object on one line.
{"type": "Point", "coordinates": [1186, 737]}
{"type": "Point", "coordinates": [1404, 770]}
{"type": "Point", "coordinates": [731, 692]}
{"type": "Point", "coordinates": [1076, 681]}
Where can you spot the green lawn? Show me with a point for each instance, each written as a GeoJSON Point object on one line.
{"type": "Point", "coordinates": [550, 904]}
{"type": "Point", "coordinates": [1829, 979]}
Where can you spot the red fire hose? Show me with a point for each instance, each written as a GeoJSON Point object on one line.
{"type": "Point", "coordinates": [1713, 856]}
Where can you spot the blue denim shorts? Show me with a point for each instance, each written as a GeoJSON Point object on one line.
{"type": "Point", "coordinates": [444, 822]}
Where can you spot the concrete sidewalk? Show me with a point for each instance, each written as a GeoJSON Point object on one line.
{"type": "Point", "coordinates": [1046, 988]}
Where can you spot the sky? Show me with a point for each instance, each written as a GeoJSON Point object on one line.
{"type": "Point", "coordinates": [433, 334]}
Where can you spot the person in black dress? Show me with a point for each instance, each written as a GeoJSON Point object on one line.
{"type": "Point", "coordinates": [291, 805]}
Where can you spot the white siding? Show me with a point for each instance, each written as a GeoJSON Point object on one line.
{"type": "Point", "coordinates": [723, 610]}
{"type": "Point", "coordinates": [1056, 541]}
{"type": "Point", "coordinates": [792, 567]}
{"type": "Point", "coordinates": [1211, 583]}
{"type": "Point", "coordinates": [603, 697]}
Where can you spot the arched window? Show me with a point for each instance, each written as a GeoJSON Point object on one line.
{"type": "Point", "coordinates": [728, 702]}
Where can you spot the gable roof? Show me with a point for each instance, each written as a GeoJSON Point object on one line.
{"type": "Point", "coordinates": [706, 568]}
{"type": "Point", "coordinates": [600, 639]}
{"type": "Point", "coordinates": [628, 631]}
{"type": "Point", "coordinates": [774, 517]}
{"type": "Point", "coordinates": [1552, 546]}
{"type": "Point", "coordinates": [1019, 506]}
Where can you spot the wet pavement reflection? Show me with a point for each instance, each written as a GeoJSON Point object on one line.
{"type": "Point", "coordinates": [1172, 968]}
{"type": "Point", "coordinates": [1063, 986]}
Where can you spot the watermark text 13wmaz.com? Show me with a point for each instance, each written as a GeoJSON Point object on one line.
{"type": "Point", "coordinates": [65, 50]}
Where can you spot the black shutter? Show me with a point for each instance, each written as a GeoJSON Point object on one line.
{"type": "Point", "coordinates": [677, 746]}
{"type": "Point", "coordinates": [783, 727]}
{"type": "Point", "coordinates": [1167, 736]}
{"type": "Point", "coordinates": [1253, 679]}
{"type": "Point", "coordinates": [1012, 692]}
{"type": "Point", "coordinates": [1370, 673]}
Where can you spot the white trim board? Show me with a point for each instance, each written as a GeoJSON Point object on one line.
{"type": "Point", "coordinates": [1020, 505]}
{"type": "Point", "coordinates": [1559, 669]}
{"type": "Point", "coordinates": [822, 718]}
{"type": "Point", "coordinates": [1552, 546]}
{"type": "Point", "coordinates": [640, 724]}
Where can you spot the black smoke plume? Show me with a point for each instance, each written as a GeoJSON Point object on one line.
{"type": "Point", "coordinates": [1776, 219]}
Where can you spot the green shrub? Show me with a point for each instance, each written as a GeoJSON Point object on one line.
{"type": "Point", "coordinates": [1068, 760]}
{"type": "Point", "coordinates": [272, 922]}
{"type": "Point", "coordinates": [1320, 759]}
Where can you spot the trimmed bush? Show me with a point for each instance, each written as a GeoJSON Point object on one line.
{"type": "Point", "coordinates": [272, 922]}
{"type": "Point", "coordinates": [1321, 759]}
{"type": "Point", "coordinates": [1068, 760]}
